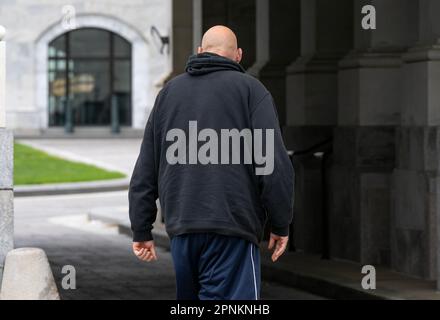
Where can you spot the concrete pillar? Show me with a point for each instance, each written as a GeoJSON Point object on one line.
{"type": "Point", "coordinates": [262, 37]}
{"type": "Point", "coordinates": [277, 29]}
{"type": "Point", "coordinates": [2, 77]}
{"type": "Point", "coordinates": [191, 18]}
{"type": "Point", "coordinates": [6, 167]}
{"type": "Point", "coordinates": [326, 35]}
{"type": "Point", "coordinates": [240, 16]}
{"type": "Point", "coordinates": [197, 23]}
{"type": "Point", "coordinates": [182, 43]}
{"type": "Point", "coordinates": [283, 45]}
{"type": "Point", "coordinates": [369, 82]}
{"type": "Point", "coordinates": [415, 224]}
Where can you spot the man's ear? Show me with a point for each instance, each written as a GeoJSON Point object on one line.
{"type": "Point", "coordinates": [239, 55]}
{"type": "Point", "coordinates": [199, 50]}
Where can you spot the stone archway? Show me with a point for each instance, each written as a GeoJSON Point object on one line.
{"type": "Point", "coordinates": [140, 57]}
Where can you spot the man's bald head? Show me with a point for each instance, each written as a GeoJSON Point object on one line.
{"type": "Point", "coordinates": [222, 41]}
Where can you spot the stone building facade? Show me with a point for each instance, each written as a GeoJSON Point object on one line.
{"type": "Point", "coordinates": [67, 61]}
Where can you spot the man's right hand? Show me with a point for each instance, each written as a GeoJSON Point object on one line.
{"type": "Point", "coordinates": [145, 251]}
{"type": "Point", "coordinates": [280, 244]}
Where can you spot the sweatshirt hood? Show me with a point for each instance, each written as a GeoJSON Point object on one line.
{"type": "Point", "coordinates": [207, 62]}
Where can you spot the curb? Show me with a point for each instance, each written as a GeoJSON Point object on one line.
{"type": "Point", "coordinates": [161, 238]}
{"type": "Point", "coordinates": [72, 188]}
{"type": "Point", "coordinates": [314, 285]}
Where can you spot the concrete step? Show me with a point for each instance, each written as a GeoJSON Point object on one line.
{"type": "Point", "coordinates": [119, 216]}
{"type": "Point", "coordinates": [71, 188]}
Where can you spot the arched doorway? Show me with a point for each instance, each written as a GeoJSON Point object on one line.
{"type": "Point", "coordinates": [89, 75]}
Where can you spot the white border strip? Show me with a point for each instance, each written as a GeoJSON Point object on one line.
{"type": "Point", "coordinates": [253, 270]}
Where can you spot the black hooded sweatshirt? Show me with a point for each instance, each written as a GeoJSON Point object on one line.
{"type": "Point", "coordinates": [227, 199]}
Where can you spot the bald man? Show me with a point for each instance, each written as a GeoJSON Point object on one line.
{"type": "Point", "coordinates": [213, 154]}
{"type": "Point", "coordinates": [223, 42]}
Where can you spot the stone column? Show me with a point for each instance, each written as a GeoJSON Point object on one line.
{"type": "Point", "coordinates": [369, 82]}
{"type": "Point", "coordinates": [283, 47]}
{"type": "Point", "coordinates": [240, 16]}
{"type": "Point", "coordinates": [197, 23]}
{"type": "Point", "coordinates": [182, 43]}
{"type": "Point", "coordinates": [326, 36]}
{"type": "Point", "coordinates": [2, 77]}
{"type": "Point", "coordinates": [6, 166]}
{"type": "Point", "coordinates": [262, 37]}
{"type": "Point", "coordinates": [415, 225]}
{"type": "Point", "coordinates": [326, 29]}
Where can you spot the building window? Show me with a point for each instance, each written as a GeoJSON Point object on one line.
{"type": "Point", "coordinates": [89, 75]}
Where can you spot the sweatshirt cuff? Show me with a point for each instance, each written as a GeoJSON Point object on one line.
{"type": "Point", "coordinates": [142, 236]}
{"type": "Point", "coordinates": [280, 231]}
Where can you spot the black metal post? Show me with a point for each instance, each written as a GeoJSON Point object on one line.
{"type": "Point", "coordinates": [68, 124]}
{"type": "Point", "coordinates": [115, 114]}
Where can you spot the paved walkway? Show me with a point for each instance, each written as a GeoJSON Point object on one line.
{"type": "Point", "coordinates": [104, 263]}
{"type": "Point", "coordinates": [105, 266]}
{"type": "Point", "coordinates": [107, 269]}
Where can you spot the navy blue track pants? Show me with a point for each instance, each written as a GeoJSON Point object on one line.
{"type": "Point", "coordinates": [211, 266]}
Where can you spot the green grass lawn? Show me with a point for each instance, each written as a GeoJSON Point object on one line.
{"type": "Point", "coordinates": [32, 166]}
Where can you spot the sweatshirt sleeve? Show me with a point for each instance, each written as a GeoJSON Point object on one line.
{"type": "Point", "coordinates": [143, 190]}
{"type": "Point", "coordinates": [276, 188]}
